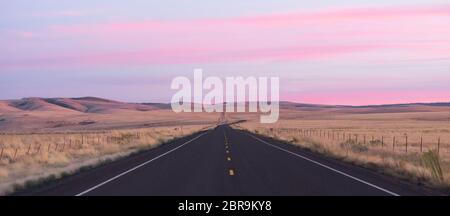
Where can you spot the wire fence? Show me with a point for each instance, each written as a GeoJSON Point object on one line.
{"type": "Point", "coordinates": [22, 145]}
{"type": "Point", "coordinates": [14, 146]}
{"type": "Point", "coordinates": [395, 142]}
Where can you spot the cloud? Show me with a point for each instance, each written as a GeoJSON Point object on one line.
{"type": "Point", "coordinates": [184, 56]}
{"type": "Point", "coordinates": [298, 36]}
{"type": "Point", "coordinates": [58, 14]}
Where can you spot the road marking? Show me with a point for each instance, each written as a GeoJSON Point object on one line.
{"type": "Point", "coordinates": [228, 152]}
{"type": "Point", "coordinates": [231, 172]}
{"type": "Point", "coordinates": [327, 167]}
{"type": "Point", "coordinates": [138, 166]}
{"type": "Point", "coordinates": [228, 158]}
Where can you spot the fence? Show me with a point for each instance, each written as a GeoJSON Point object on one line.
{"type": "Point", "coordinates": [14, 146]}
{"type": "Point", "coordinates": [388, 142]}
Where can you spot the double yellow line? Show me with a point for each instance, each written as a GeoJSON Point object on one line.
{"type": "Point", "coordinates": [231, 172]}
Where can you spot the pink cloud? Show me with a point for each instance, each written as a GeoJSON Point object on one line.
{"type": "Point", "coordinates": [187, 56]}
{"type": "Point", "coordinates": [291, 37]}
{"type": "Point", "coordinates": [270, 21]}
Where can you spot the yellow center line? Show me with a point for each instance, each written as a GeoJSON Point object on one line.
{"type": "Point", "coordinates": [231, 172]}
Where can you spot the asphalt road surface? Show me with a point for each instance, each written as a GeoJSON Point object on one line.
{"type": "Point", "coordinates": [225, 161]}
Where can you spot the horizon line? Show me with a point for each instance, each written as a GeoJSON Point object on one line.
{"type": "Point", "coordinates": [280, 101]}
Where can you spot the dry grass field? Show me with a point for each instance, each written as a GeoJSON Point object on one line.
{"type": "Point", "coordinates": [411, 142]}
{"type": "Point", "coordinates": [47, 138]}
{"type": "Point", "coordinates": [25, 157]}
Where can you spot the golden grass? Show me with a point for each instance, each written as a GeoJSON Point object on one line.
{"type": "Point", "coordinates": [368, 140]}
{"type": "Point", "coordinates": [27, 157]}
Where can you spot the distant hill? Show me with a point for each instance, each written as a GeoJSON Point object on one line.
{"type": "Point", "coordinates": [91, 113]}
{"type": "Point", "coordinates": [102, 105]}
{"type": "Point", "coordinates": [82, 104]}
{"type": "Point", "coordinates": [366, 109]}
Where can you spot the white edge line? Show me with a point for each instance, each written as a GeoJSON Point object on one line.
{"type": "Point", "coordinates": [327, 167]}
{"type": "Point", "coordinates": [138, 166]}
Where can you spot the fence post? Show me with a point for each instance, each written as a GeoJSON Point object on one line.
{"type": "Point", "coordinates": [364, 139]}
{"type": "Point", "coordinates": [29, 148]}
{"type": "Point", "coordinates": [439, 144]}
{"type": "Point", "coordinates": [356, 138]}
{"type": "Point", "coordinates": [382, 141]}
{"type": "Point", "coordinates": [346, 149]}
{"type": "Point", "coordinates": [406, 146]}
{"type": "Point", "coordinates": [1, 154]}
{"type": "Point", "coordinates": [421, 144]}
{"type": "Point", "coordinates": [48, 149]}
{"type": "Point", "coordinates": [39, 148]}
{"type": "Point", "coordinates": [393, 144]}
{"type": "Point", "coordinates": [15, 153]}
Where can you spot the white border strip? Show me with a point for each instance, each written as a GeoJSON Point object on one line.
{"type": "Point", "coordinates": [138, 166]}
{"type": "Point", "coordinates": [327, 167]}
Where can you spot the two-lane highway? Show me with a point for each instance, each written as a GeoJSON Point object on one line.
{"type": "Point", "coordinates": [225, 161]}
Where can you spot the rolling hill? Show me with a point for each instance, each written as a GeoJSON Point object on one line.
{"type": "Point", "coordinates": [93, 113]}
{"type": "Point", "coordinates": [82, 104]}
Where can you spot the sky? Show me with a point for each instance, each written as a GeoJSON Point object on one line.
{"type": "Point", "coordinates": [357, 52]}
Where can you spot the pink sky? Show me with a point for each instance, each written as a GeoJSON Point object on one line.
{"type": "Point", "coordinates": [352, 36]}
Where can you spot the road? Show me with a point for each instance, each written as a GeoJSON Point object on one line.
{"type": "Point", "coordinates": [225, 161]}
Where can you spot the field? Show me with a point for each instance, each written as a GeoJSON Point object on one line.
{"type": "Point", "coordinates": [48, 138]}
{"type": "Point", "coordinates": [41, 138]}
{"type": "Point", "coordinates": [412, 142]}
{"type": "Point", "coordinates": [25, 157]}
